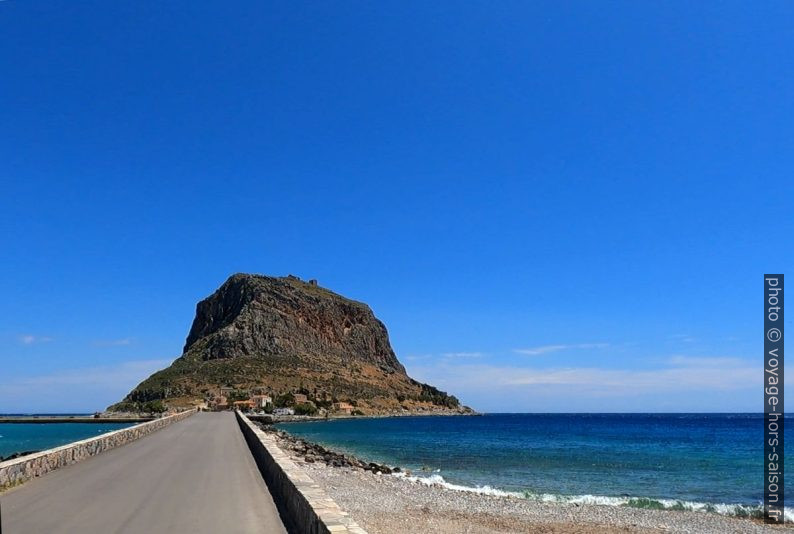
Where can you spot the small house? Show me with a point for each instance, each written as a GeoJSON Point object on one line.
{"type": "Point", "coordinates": [343, 407]}
{"type": "Point", "coordinates": [244, 405]}
{"type": "Point", "coordinates": [261, 401]}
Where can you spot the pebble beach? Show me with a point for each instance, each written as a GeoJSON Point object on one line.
{"type": "Point", "coordinates": [385, 501]}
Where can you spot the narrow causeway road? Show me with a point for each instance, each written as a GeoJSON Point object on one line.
{"type": "Point", "coordinates": [196, 476]}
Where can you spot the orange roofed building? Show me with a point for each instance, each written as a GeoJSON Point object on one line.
{"type": "Point", "coordinates": [244, 404]}
{"type": "Point", "coordinates": [344, 407]}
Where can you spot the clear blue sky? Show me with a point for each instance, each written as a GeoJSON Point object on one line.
{"type": "Point", "coordinates": [552, 207]}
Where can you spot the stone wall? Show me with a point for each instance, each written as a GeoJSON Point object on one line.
{"type": "Point", "coordinates": [303, 505]}
{"type": "Point", "coordinates": [18, 470]}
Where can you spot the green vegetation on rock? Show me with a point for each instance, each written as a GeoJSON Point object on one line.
{"type": "Point", "coordinates": [283, 336]}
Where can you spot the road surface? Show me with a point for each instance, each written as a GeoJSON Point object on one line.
{"type": "Point", "coordinates": [196, 476]}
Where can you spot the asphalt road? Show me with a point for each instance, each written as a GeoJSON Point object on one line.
{"type": "Point", "coordinates": [196, 476]}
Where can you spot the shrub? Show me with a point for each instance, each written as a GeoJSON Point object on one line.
{"type": "Point", "coordinates": [285, 400]}
{"type": "Point", "coordinates": [237, 395]}
{"type": "Point", "coordinates": [305, 409]}
{"type": "Point", "coordinates": [155, 406]}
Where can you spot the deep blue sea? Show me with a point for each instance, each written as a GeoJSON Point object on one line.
{"type": "Point", "coordinates": [19, 437]}
{"type": "Point", "coordinates": [707, 462]}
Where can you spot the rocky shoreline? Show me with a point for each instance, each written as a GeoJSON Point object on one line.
{"type": "Point", "coordinates": [385, 499]}
{"type": "Point", "coordinates": [310, 453]}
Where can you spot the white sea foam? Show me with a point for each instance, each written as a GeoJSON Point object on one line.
{"type": "Point", "coordinates": [438, 480]}
{"type": "Point", "coordinates": [739, 510]}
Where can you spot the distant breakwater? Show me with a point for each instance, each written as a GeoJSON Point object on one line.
{"type": "Point", "coordinates": [44, 419]}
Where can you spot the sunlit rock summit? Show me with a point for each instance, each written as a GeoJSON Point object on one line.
{"type": "Point", "coordinates": [280, 336]}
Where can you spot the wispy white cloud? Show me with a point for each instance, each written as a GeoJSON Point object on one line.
{"type": "Point", "coordinates": [444, 356]}
{"type": "Point", "coordinates": [697, 361]}
{"type": "Point", "coordinates": [78, 389]}
{"type": "Point", "coordinates": [30, 339]}
{"type": "Point", "coordinates": [114, 342]}
{"type": "Point", "coordinates": [680, 373]}
{"type": "Point", "coordinates": [679, 382]}
{"type": "Point", "coordinates": [455, 355]}
{"type": "Point", "coordinates": [104, 375]}
{"type": "Point", "coordinates": [545, 349]}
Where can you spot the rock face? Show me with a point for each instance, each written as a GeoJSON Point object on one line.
{"type": "Point", "coordinates": [283, 318]}
{"type": "Point", "coordinates": [283, 335]}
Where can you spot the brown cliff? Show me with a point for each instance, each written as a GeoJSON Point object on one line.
{"type": "Point", "coordinates": [284, 335]}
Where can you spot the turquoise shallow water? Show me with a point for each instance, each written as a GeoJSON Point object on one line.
{"type": "Point", "coordinates": [20, 437]}
{"type": "Point", "coordinates": [710, 462]}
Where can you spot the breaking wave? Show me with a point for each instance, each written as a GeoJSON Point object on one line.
{"type": "Point", "coordinates": [735, 510]}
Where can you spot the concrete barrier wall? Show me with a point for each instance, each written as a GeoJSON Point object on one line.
{"type": "Point", "coordinates": [18, 470]}
{"type": "Point", "coordinates": [303, 505]}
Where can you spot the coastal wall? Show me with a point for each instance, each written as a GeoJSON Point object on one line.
{"type": "Point", "coordinates": [19, 470]}
{"type": "Point", "coordinates": [303, 505]}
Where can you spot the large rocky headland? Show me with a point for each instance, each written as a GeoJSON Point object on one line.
{"type": "Point", "coordinates": [293, 342]}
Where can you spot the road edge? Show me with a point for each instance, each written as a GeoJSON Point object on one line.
{"type": "Point", "coordinates": [303, 505]}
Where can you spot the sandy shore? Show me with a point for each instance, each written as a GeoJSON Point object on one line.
{"type": "Point", "coordinates": [385, 504]}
